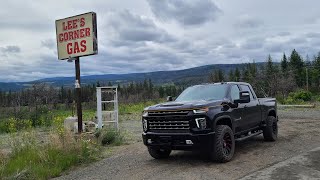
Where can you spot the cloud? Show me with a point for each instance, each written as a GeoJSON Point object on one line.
{"type": "Point", "coordinates": [185, 12]}
{"type": "Point", "coordinates": [248, 22]}
{"type": "Point", "coordinates": [128, 29]}
{"type": "Point", "coordinates": [10, 49]}
{"type": "Point", "coordinates": [253, 43]}
{"type": "Point", "coordinates": [154, 35]}
{"type": "Point", "coordinates": [48, 43]}
{"type": "Point", "coordinates": [284, 34]}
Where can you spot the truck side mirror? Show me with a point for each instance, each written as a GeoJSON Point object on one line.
{"type": "Point", "coordinates": [169, 98]}
{"type": "Point", "coordinates": [244, 97]}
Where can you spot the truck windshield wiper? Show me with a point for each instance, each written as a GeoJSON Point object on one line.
{"type": "Point", "coordinates": [210, 99]}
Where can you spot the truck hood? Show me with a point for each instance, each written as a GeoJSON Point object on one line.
{"type": "Point", "coordinates": [183, 105]}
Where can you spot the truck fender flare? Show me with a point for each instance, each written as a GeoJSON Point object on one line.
{"type": "Point", "coordinates": [272, 109]}
{"type": "Point", "coordinates": [224, 117]}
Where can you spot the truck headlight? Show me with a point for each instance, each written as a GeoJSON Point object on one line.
{"type": "Point", "coordinates": [201, 111]}
{"type": "Point", "coordinates": [201, 123]}
{"type": "Point", "coordinates": [145, 113]}
{"type": "Point", "coordinates": [144, 125]}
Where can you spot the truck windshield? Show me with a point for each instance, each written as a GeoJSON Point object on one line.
{"type": "Point", "coordinates": [203, 92]}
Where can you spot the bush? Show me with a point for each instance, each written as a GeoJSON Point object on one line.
{"type": "Point", "coordinates": [110, 136]}
{"type": "Point", "coordinates": [301, 95]}
{"type": "Point", "coordinates": [12, 125]}
{"type": "Point", "coordinates": [316, 98]}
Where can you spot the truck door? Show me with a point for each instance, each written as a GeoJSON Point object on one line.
{"type": "Point", "coordinates": [237, 113]}
{"type": "Point", "coordinates": [252, 111]}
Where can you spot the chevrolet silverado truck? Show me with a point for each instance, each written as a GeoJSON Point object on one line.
{"type": "Point", "coordinates": [209, 117]}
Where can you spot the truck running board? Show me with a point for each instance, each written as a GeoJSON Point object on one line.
{"type": "Point", "coordinates": [248, 136]}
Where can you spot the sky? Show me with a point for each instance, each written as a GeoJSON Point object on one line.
{"type": "Point", "coordinates": [155, 35]}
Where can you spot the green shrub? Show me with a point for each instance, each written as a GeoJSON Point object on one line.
{"type": "Point", "coordinates": [3, 126]}
{"type": "Point", "coordinates": [301, 95]}
{"type": "Point", "coordinates": [111, 136]}
{"type": "Point", "coordinates": [316, 98]}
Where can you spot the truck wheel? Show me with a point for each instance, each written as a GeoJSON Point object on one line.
{"type": "Point", "coordinates": [159, 153]}
{"type": "Point", "coordinates": [270, 132]}
{"type": "Point", "coordinates": [224, 144]}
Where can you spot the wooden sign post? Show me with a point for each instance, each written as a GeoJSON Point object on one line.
{"type": "Point", "coordinates": [76, 37]}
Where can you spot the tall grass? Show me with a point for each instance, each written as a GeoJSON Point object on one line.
{"type": "Point", "coordinates": [34, 159]}
{"type": "Point", "coordinates": [47, 155]}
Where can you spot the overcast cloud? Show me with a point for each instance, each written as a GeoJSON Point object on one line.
{"type": "Point", "coordinates": [153, 35]}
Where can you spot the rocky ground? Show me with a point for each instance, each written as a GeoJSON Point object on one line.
{"type": "Point", "coordinates": [299, 133]}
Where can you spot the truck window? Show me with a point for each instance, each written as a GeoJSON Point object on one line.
{"type": "Point", "coordinates": [246, 88]}
{"type": "Point", "coordinates": [203, 92]}
{"type": "Point", "coordinates": [235, 92]}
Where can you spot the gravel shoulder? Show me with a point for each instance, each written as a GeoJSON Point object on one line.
{"type": "Point", "coordinates": [299, 132]}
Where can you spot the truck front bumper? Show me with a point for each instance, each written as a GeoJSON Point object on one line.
{"type": "Point", "coordinates": [179, 141]}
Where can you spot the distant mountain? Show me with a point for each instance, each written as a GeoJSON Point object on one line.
{"type": "Point", "coordinates": [187, 76]}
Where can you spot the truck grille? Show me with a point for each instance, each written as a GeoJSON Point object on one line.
{"type": "Point", "coordinates": [168, 124]}
{"type": "Point", "coordinates": [168, 113]}
{"type": "Point", "coordinates": [168, 120]}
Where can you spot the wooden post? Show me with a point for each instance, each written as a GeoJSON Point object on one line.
{"type": "Point", "coordinates": [78, 94]}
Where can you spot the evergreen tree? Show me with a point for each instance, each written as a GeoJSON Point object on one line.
{"type": "Point", "coordinates": [296, 65]}
{"type": "Point", "coordinates": [237, 74]}
{"type": "Point", "coordinates": [119, 88]}
{"type": "Point", "coordinates": [220, 75]}
{"type": "Point", "coordinates": [284, 63]}
{"type": "Point", "coordinates": [231, 75]}
{"type": "Point", "coordinates": [161, 91]}
{"type": "Point", "coordinates": [270, 69]}
{"type": "Point", "coordinates": [150, 85]}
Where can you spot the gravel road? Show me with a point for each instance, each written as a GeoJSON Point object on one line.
{"type": "Point", "coordinates": [299, 132]}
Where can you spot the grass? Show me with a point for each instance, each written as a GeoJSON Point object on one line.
{"type": "Point", "coordinates": [86, 114]}
{"type": "Point", "coordinates": [136, 107]}
{"type": "Point", "coordinates": [31, 159]}
{"type": "Point", "coordinates": [47, 155]}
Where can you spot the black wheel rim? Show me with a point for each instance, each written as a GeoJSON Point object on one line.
{"type": "Point", "coordinates": [227, 144]}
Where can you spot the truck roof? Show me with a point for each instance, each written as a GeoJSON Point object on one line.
{"type": "Point", "coordinates": [243, 83]}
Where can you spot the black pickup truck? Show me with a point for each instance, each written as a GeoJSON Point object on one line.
{"type": "Point", "coordinates": [209, 117]}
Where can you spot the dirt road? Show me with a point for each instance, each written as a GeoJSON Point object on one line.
{"type": "Point", "coordinates": [298, 134]}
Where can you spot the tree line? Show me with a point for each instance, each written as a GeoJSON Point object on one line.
{"type": "Point", "coordinates": [270, 78]}
{"type": "Point", "coordinates": [276, 78]}
{"type": "Point", "coordinates": [44, 94]}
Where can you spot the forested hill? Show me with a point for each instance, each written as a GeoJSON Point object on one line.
{"type": "Point", "coordinates": [187, 76]}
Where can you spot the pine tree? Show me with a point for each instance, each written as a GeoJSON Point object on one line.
{"type": "Point", "coordinates": [237, 74]}
{"type": "Point", "coordinates": [220, 75]}
{"type": "Point", "coordinates": [270, 68]}
{"type": "Point", "coordinates": [296, 65]}
{"type": "Point", "coordinates": [161, 91]}
{"type": "Point", "coordinates": [231, 75]}
{"type": "Point", "coordinates": [284, 63]}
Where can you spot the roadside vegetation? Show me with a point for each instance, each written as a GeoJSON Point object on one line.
{"type": "Point", "coordinates": [45, 155]}
{"type": "Point", "coordinates": [40, 148]}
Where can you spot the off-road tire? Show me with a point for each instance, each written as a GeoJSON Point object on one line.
{"type": "Point", "coordinates": [270, 131]}
{"type": "Point", "coordinates": [159, 153]}
{"type": "Point", "coordinates": [224, 144]}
